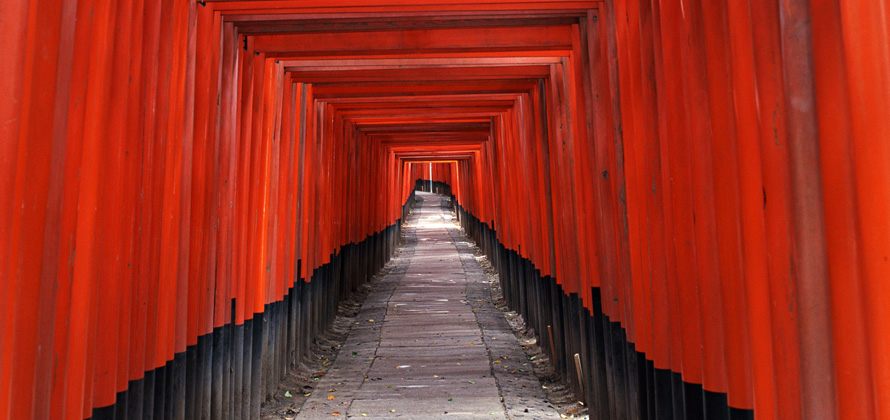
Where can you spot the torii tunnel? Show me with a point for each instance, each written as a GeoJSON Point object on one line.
{"type": "Point", "coordinates": [695, 195]}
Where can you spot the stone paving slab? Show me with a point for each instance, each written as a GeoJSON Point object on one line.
{"type": "Point", "coordinates": [427, 344]}
{"type": "Point", "coordinates": [456, 354]}
{"type": "Point", "coordinates": [486, 406]}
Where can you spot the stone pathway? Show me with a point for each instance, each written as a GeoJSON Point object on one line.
{"type": "Point", "coordinates": [428, 343]}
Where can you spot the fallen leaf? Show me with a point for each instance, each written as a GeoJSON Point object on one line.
{"type": "Point", "coordinates": [330, 396]}
{"type": "Point", "coordinates": [336, 414]}
{"type": "Point", "coordinates": [364, 414]}
{"type": "Point", "coordinates": [370, 320]}
{"type": "Point", "coordinates": [392, 411]}
{"type": "Point", "coordinates": [288, 394]}
{"type": "Point", "coordinates": [470, 382]}
{"type": "Point", "coordinates": [435, 376]}
{"type": "Point", "coordinates": [451, 399]}
{"type": "Point", "coordinates": [497, 361]}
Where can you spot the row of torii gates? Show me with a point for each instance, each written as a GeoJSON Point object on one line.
{"type": "Point", "coordinates": [704, 187]}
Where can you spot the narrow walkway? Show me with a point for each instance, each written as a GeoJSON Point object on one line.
{"type": "Point", "coordinates": [428, 343]}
